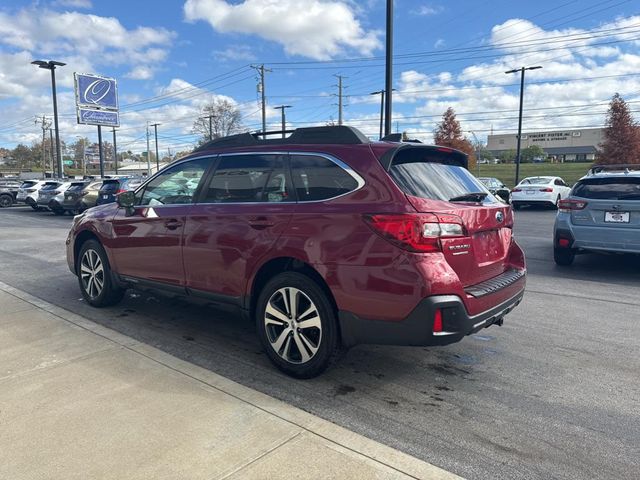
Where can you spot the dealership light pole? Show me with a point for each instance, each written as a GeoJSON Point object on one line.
{"type": "Point", "coordinates": [51, 65]}
{"type": "Point", "coordinates": [521, 70]}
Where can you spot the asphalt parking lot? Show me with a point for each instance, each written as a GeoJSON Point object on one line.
{"type": "Point", "coordinates": [554, 393]}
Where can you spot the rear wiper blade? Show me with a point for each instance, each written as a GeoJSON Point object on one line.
{"type": "Point", "coordinates": [470, 197]}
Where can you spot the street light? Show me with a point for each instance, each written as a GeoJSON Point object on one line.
{"type": "Point", "coordinates": [51, 65]}
{"type": "Point", "coordinates": [521, 70]}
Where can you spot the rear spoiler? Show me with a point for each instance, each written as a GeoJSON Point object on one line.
{"type": "Point", "coordinates": [450, 155]}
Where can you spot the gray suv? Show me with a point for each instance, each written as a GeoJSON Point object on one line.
{"type": "Point", "coordinates": [601, 214]}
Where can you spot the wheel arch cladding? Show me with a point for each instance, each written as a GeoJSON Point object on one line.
{"type": "Point", "coordinates": [81, 239]}
{"type": "Point", "coordinates": [285, 264]}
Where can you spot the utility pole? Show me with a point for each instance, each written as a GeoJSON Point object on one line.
{"type": "Point", "coordinates": [45, 124]}
{"type": "Point", "coordinates": [155, 128]}
{"type": "Point", "coordinates": [148, 154]}
{"type": "Point", "coordinates": [260, 69]}
{"type": "Point", "coordinates": [115, 150]}
{"type": "Point", "coordinates": [388, 84]}
{"type": "Point", "coordinates": [340, 77]}
{"type": "Point", "coordinates": [521, 70]}
{"type": "Point", "coordinates": [284, 120]}
{"type": "Point", "coordinates": [210, 117]}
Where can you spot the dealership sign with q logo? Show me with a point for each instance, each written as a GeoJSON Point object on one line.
{"type": "Point", "coordinates": [96, 100]}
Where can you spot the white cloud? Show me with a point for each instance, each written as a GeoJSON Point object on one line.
{"type": "Point", "coordinates": [235, 53]}
{"type": "Point", "coordinates": [102, 39]}
{"type": "Point", "coordinates": [427, 10]}
{"type": "Point", "coordinates": [74, 3]}
{"type": "Point", "coordinates": [319, 29]}
{"type": "Point", "coordinates": [140, 73]}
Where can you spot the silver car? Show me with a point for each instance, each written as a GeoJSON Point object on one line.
{"type": "Point", "coordinates": [601, 214]}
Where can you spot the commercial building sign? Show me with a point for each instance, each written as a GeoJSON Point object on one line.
{"type": "Point", "coordinates": [549, 136]}
{"type": "Point", "coordinates": [96, 100]}
{"type": "Point", "coordinates": [98, 117]}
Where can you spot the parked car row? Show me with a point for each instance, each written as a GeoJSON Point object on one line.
{"type": "Point", "coordinates": [66, 195]}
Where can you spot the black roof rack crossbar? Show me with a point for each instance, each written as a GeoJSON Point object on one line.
{"type": "Point", "coordinates": [341, 135]}
{"type": "Point", "coordinates": [621, 166]}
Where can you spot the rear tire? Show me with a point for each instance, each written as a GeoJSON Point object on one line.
{"type": "Point", "coordinates": [557, 204]}
{"type": "Point", "coordinates": [563, 256]}
{"type": "Point", "coordinates": [94, 276]}
{"type": "Point", "coordinates": [297, 325]}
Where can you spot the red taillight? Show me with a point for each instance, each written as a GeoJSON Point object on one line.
{"type": "Point", "coordinates": [437, 321]}
{"type": "Point", "coordinates": [569, 205]}
{"type": "Point", "coordinates": [120, 190]}
{"type": "Point", "coordinates": [416, 232]}
{"type": "Point", "coordinates": [564, 242]}
{"type": "Point", "coordinates": [516, 190]}
{"type": "Point", "coordinates": [547, 190]}
{"type": "Point", "coordinates": [444, 149]}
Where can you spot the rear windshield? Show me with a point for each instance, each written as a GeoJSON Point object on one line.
{"type": "Point", "coordinates": [50, 186]}
{"type": "Point", "coordinates": [110, 186]}
{"type": "Point", "coordinates": [28, 184]}
{"type": "Point", "coordinates": [617, 188]}
{"type": "Point", "coordinates": [76, 187]}
{"type": "Point", "coordinates": [536, 181]}
{"type": "Point", "coordinates": [423, 176]}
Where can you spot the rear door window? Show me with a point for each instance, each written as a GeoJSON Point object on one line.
{"type": "Point", "coordinates": [427, 174]}
{"type": "Point", "coordinates": [617, 188]}
{"type": "Point", "coordinates": [318, 178]}
{"type": "Point", "coordinates": [249, 179]}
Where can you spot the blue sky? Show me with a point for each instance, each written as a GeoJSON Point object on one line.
{"type": "Point", "coordinates": [172, 57]}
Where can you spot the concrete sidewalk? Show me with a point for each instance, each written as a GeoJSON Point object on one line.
{"type": "Point", "coordinates": [80, 401]}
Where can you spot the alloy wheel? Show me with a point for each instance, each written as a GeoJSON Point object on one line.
{"type": "Point", "coordinates": [92, 273]}
{"type": "Point", "coordinates": [292, 324]}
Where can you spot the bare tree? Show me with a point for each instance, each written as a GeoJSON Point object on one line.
{"type": "Point", "coordinates": [225, 119]}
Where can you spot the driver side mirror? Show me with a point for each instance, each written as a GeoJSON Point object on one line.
{"type": "Point", "coordinates": [127, 200]}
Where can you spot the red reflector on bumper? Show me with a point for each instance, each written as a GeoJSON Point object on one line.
{"type": "Point", "coordinates": [437, 321]}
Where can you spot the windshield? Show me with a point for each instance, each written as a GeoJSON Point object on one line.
{"type": "Point", "coordinates": [617, 188]}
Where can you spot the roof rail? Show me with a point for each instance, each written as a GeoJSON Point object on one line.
{"type": "Point", "coordinates": [622, 167]}
{"type": "Point", "coordinates": [341, 134]}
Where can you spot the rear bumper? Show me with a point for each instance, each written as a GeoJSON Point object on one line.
{"type": "Point", "coordinates": [417, 328]}
{"type": "Point", "coordinates": [596, 238]}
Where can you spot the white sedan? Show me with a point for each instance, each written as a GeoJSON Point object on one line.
{"type": "Point", "coordinates": [539, 191]}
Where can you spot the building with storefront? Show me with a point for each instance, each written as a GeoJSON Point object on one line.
{"type": "Point", "coordinates": [559, 145]}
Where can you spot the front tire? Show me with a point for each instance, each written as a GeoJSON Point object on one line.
{"type": "Point", "coordinates": [94, 276]}
{"type": "Point", "coordinates": [563, 256]}
{"type": "Point", "coordinates": [6, 201]}
{"type": "Point", "coordinates": [297, 325]}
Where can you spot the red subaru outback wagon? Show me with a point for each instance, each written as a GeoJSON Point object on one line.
{"type": "Point", "coordinates": [324, 238]}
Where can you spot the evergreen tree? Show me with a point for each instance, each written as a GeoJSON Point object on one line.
{"type": "Point", "coordinates": [621, 136]}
